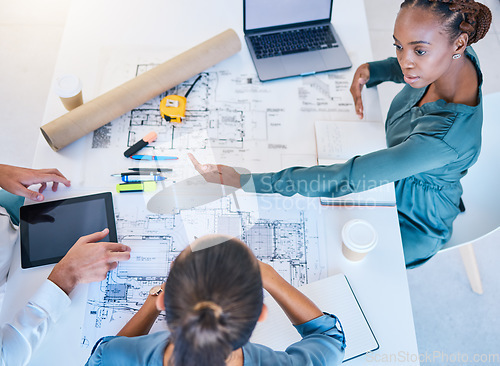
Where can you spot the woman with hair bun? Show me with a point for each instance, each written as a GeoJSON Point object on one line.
{"type": "Point", "coordinates": [213, 299]}
{"type": "Point", "coordinates": [433, 127]}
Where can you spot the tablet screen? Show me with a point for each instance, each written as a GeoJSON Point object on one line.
{"type": "Point", "coordinates": [49, 229]}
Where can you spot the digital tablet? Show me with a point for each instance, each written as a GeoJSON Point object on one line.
{"type": "Point", "coordinates": [49, 229]}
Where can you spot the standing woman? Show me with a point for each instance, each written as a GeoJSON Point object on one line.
{"type": "Point", "coordinates": [213, 299]}
{"type": "Point", "coordinates": [433, 127]}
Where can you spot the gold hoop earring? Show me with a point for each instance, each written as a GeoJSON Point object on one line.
{"type": "Point", "coordinates": [456, 56]}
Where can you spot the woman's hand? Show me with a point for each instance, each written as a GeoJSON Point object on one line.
{"type": "Point", "coordinates": [142, 321]}
{"type": "Point", "coordinates": [361, 77]}
{"type": "Point", "coordinates": [16, 180]}
{"type": "Point", "coordinates": [217, 173]}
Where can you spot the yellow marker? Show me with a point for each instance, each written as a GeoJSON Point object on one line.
{"type": "Point", "coordinates": [136, 187]}
{"type": "Point", "coordinates": [173, 108]}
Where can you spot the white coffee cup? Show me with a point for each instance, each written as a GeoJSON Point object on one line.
{"type": "Point", "coordinates": [358, 238]}
{"type": "Point", "coordinates": [69, 88]}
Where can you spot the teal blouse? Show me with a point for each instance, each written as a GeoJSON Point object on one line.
{"type": "Point", "coordinates": [322, 344]}
{"type": "Point", "coordinates": [429, 149]}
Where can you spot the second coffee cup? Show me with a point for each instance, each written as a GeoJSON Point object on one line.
{"type": "Point", "coordinates": [69, 88]}
{"type": "Point", "coordinates": [358, 238]}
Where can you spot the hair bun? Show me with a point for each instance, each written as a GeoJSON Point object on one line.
{"type": "Point", "coordinates": [476, 17]}
{"type": "Point", "coordinates": [483, 22]}
{"type": "Point", "coordinates": [467, 27]}
{"type": "Point", "coordinates": [202, 305]}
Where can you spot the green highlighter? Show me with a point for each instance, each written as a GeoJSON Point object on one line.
{"type": "Point", "coordinates": [136, 187]}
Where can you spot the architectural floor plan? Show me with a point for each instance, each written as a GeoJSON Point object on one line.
{"type": "Point", "coordinates": [239, 119]}
{"type": "Point", "coordinates": [232, 119]}
{"type": "Point", "coordinates": [207, 122]}
{"type": "Point", "coordinates": [285, 238]}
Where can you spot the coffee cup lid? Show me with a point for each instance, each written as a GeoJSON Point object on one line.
{"type": "Point", "coordinates": [67, 85]}
{"type": "Point", "coordinates": [359, 236]}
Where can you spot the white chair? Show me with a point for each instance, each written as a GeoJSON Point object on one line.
{"type": "Point", "coordinates": [481, 195]}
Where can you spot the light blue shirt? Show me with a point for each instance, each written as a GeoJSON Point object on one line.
{"type": "Point", "coordinates": [322, 344]}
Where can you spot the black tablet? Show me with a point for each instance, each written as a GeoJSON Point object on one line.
{"type": "Point", "coordinates": [49, 229]}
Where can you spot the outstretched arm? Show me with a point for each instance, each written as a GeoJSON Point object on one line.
{"type": "Point", "coordinates": [419, 153]}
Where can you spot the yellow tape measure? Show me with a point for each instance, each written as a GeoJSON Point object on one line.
{"type": "Point", "coordinates": [173, 107]}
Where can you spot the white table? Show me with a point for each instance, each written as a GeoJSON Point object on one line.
{"type": "Point", "coordinates": [94, 30]}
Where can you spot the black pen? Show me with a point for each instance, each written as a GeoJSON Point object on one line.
{"type": "Point", "coordinates": [150, 170]}
{"type": "Point", "coordinates": [135, 173]}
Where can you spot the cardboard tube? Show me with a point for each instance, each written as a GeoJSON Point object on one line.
{"type": "Point", "coordinates": [105, 108]}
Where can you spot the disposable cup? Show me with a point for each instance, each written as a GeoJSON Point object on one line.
{"type": "Point", "coordinates": [69, 88]}
{"type": "Point", "coordinates": [358, 239]}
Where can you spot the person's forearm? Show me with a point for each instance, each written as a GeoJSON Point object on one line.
{"type": "Point", "coordinates": [298, 307]}
{"type": "Point", "coordinates": [21, 336]}
{"type": "Point", "coordinates": [63, 278]}
{"type": "Point", "coordinates": [315, 181]}
{"type": "Point", "coordinates": [142, 321]}
{"type": "Point", "coordinates": [385, 70]}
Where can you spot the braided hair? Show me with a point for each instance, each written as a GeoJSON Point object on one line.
{"type": "Point", "coordinates": [459, 16]}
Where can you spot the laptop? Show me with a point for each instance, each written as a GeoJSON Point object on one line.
{"type": "Point", "coordinates": [292, 37]}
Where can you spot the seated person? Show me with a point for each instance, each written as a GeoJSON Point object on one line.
{"type": "Point", "coordinates": [213, 299]}
{"type": "Point", "coordinates": [87, 261]}
{"type": "Point", "coordinates": [433, 127]}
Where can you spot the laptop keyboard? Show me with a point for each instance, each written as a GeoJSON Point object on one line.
{"type": "Point", "coordinates": [294, 41]}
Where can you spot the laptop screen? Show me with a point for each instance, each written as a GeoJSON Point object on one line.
{"type": "Point", "coordinates": [272, 13]}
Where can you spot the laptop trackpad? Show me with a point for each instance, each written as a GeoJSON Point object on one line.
{"type": "Point", "coordinates": [301, 63]}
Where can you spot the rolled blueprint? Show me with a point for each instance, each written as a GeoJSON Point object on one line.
{"type": "Point", "coordinates": [105, 108]}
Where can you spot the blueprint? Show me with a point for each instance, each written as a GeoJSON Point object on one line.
{"type": "Point", "coordinates": [218, 119]}
{"type": "Point", "coordinates": [231, 118]}
{"type": "Point", "coordinates": [277, 233]}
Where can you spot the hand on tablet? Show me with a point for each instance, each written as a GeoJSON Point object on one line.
{"type": "Point", "coordinates": [88, 261]}
{"type": "Point", "coordinates": [16, 180]}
